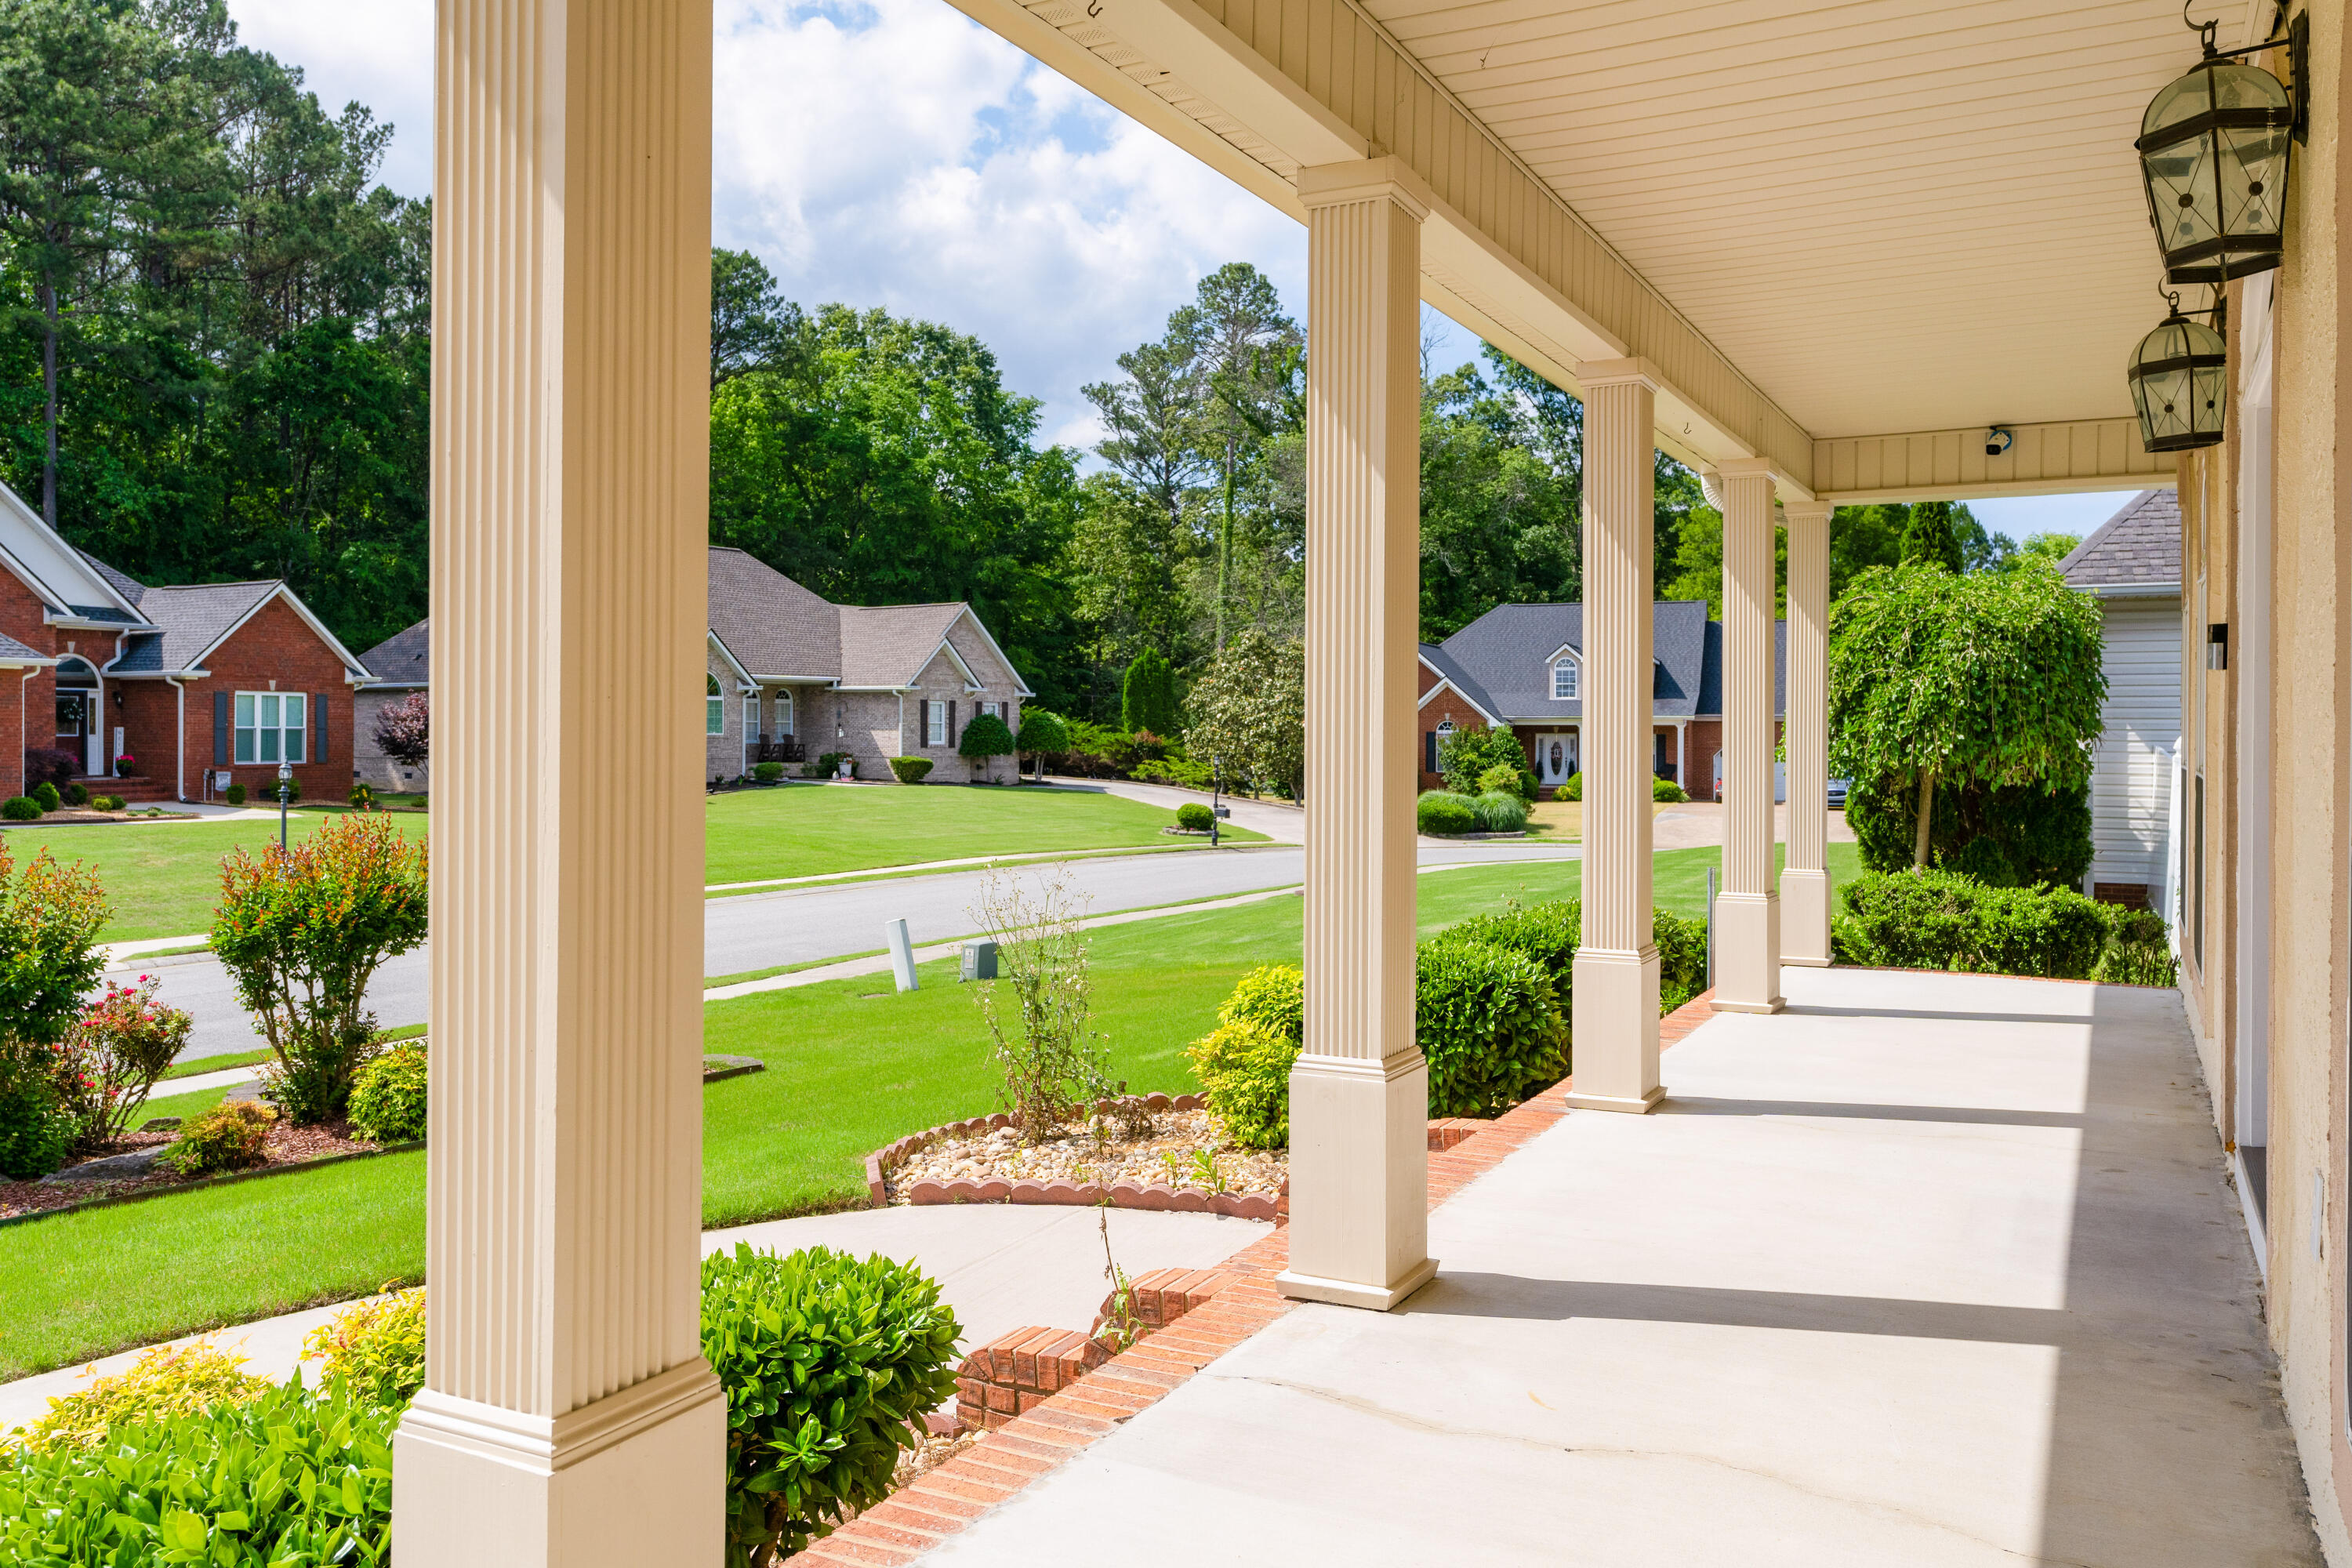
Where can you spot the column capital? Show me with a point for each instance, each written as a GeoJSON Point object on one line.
{"type": "Point", "coordinates": [1791, 495]}
{"type": "Point", "coordinates": [1811, 506]}
{"type": "Point", "coordinates": [1594, 372]}
{"type": "Point", "coordinates": [1364, 179]}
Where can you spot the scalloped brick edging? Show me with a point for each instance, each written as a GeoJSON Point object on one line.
{"type": "Point", "coordinates": [1074, 1194]}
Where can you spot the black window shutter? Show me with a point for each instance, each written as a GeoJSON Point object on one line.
{"type": "Point", "coordinates": [924, 724]}
{"type": "Point", "coordinates": [952, 728]}
{"type": "Point", "coordinates": [1429, 748]}
{"type": "Point", "coordinates": [319, 726]}
{"type": "Point", "coordinates": [220, 729]}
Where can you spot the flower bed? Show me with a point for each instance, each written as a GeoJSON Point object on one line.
{"type": "Point", "coordinates": [285, 1148]}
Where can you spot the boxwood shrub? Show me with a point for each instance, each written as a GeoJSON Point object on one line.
{"type": "Point", "coordinates": [910, 769]}
{"type": "Point", "coordinates": [1438, 811]}
{"type": "Point", "coordinates": [1489, 1025]}
{"type": "Point", "coordinates": [387, 1103]}
{"type": "Point", "coordinates": [1668, 790]}
{"type": "Point", "coordinates": [767, 772]}
{"type": "Point", "coordinates": [1243, 1064]}
{"type": "Point", "coordinates": [1682, 958]}
{"type": "Point", "coordinates": [45, 795]}
{"type": "Point", "coordinates": [1570, 788]}
{"type": "Point", "coordinates": [20, 808]}
{"type": "Point", "coordinates": [234, 794]}
{"type": "Point", "coordinates": [1194, 817]}
{"type": "Point", "coordinates": [1938, 919]}
{"type": "Point", "coordinates": [829, 1365]}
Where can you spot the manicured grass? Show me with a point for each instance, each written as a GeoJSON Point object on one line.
{"type": "Point", "coordinates": [163, 879]}
{"type": "Point", "coordinates": [811, 830]}
{"type": "Point", "coordinates": [851, 1066]}
{"type": "Point", "coordinates": [220, 1063]}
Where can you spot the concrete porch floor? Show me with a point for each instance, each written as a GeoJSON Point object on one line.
{"type": "Point", "coordinates": [1929, 1269]}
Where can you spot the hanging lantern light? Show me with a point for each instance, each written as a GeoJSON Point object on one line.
{"type": "Point", "coordinates": [2180, 384]}
{"type": "Point", "coordinates": [2213, 149]}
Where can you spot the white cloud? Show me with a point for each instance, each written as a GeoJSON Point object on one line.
{"type": "Point", "coordinates": [379, 52]}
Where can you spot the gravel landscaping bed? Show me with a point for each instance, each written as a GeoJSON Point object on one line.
{"type": "Point", "coordinates": [1168, 1155]}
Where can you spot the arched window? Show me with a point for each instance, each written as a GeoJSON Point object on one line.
{"type": "Point", "coordinates": [1563, 679]}
{"type": "Point", "coordinates": [784, 713]}
{"type": "Point", "coordinates": [714, 716]}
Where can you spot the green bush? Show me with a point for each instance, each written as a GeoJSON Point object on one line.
{"type": "Point", "coordinates": [767, 772]}
{"type": "Point", "coordinates": [231, 1136]}
{"type": "Point", "coordinates": [985, 736]}
{"type": "Point", "coordinates": [1175, 769]}
{"type": "Point", "coordinates": [166, 1380]}
{"type": "Point", "coordinates": [1571, 787]}
{"type": "Point", "coordinates": [1194, 817]}
{"type": "Point", "coordinates": [293, 790]}
{"type": "Point", "coordinates": [2138, 952]}
{"type": "Point", "coordinates": [1500, 811]}
{"type": "Point", "coordinates": [387, 1102]}
{"type": "Point", "coordinates": [829, 1365]}
{"type": "Point", "coordinates": [825, 766]}
{"type": "Point", "coordinates": [1440, 811]}
{"type": "Point", "coordinates": [1489, 1025]}
{"type": "Point", "coordinates": [1682, 958]}
{"type": "Point", "coordinates": [1935, 920]}
{"type": "Point", "coordinates": [35, 1129]}
{"type": "Point", "coordinates": [1546, 934]}
{"type": "Point", "coordinates": [1504, 778]}
{"type": "Point", "coordinates": [1980, 860]}
{"type": "Point", "coordinates": [21, 808]}
{"type": "Point", "coordinates": [1044, 733]}
{"type": "Point", "coordinates": [375, 1349]}
{"type": "Point", "coordinates": [109, 803]}
{"type": "Point", "coordinates": [77, 795]}
{"type": "Point", "coordinates": [288, 1478]}
{"type": "Point", "coordinates": [362, 798]}
{"type": "Point", "coordinates": [113, 1057]}
{"type": "Point", "coordinates": [1243, 1065]}
{"type": "Point", "coordinates": [910, 769]}
{"type": "Point", "coordinates": [1667, 790]}
{"type": "Point", "coordinates": [46, 794]}
{"type": "Point", "coordinates": [234, 794]}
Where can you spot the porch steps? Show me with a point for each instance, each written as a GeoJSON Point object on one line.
{"type": "Point", "coordinates": [136, 790]}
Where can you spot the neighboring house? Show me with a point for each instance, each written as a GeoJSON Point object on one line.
{"type": "Point", "coordinates": [2132, 563]}
{"type": "Point", "coordinates": [197, 685]}
{"type": "Point", "coordinates": [792, 677]}
{"type": "Point", "coordinates": [1522, 666]}
{"type": "Point", "coordinates": [401, 665]}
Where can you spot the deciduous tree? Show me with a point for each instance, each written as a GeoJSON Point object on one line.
{"type": "Point", "coordinates": [1249, 713]}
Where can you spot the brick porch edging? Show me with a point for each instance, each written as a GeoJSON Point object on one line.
{"type": "Point", "coordinates": [910, 1521]}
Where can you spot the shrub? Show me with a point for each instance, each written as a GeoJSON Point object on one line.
{"type": "Point", "coordinates": [77, 795]}
{"type": "Point", "coordinates": [49, 960]}
{"type": "Point", "coordinates": [2041, 835]}
{"type": "Point", "coordinates": [1043, 733]}
{"type": "Point", "coordinates": [231, 1136]}
{"type": "Point", "coordinates": [288, 1477]}
{"type": "Point", "coordinates": [825, 766]}
{"type": "Point", "coordinates": [2138, 952]}
{"type": "Point", "coordinates": [1502, 778]}
{"type": "Point", "coordinates": [1194, 817]}
{"type": "Point", "coordinates": [166, 1380]}
{"type": "Point", "coordinates": [1499, 811]}
{"type": "Point", "coordinates": [1147, 696]}
{"type": "Point", "coordinates": [404, 731]}
{"type": "Point", "coordinates": [1682, 958]}
{"type": "Point", "coordinates": [1546, 933]}
{"type": "Point", "coordinates": [112, 1058]}
{"type": "Point", "coordinates": [46, 794]}
{"type": "Point", "coordinates": [1243, 1064]}
{"type": "Point", "coordinates": [984, 738]}
{"type": "Point", "coordinates": [829, 1365]}
{"type": "Point", "coordinates": [300, 931]}
{"type": "Point", "coordinates": [387, 1103]}
{"type": "Point", "coordinates": [1571, 787]}
{"type": "Point", "coordinates": [51, 765]}
{"type": "Point", "coordinates": [109, 803]}
{"type": "Point", "coordinates": [35, 1130]}
{"type": "Point", "coordinates": [1980, 860]}
{"type": "Point", "coordinates": [767, 772]}
{"type": "Point", "coordinates": [234, 794]}
{"type": "Point", "coordinates": [1667, 790]}
{"type": "Point", "coordinates": [910, 769]}
{"type": "Point", "coordinates": [1489, 1025]}
{"type": "Point", "coordinates": [1440, 811]}
{"type": "Point", "coordinates": [1466, 757]}
{"type": "Point", "coordinates": [21, 808]}
{"type": "Point", "coordinates": [270, 786]}
{"type": "Point", "coordinates": [362, 797]}
{"type": "Point", "coordinates": [375, 1350]}
{"type": "Point", "coordinates": [1935, 920]}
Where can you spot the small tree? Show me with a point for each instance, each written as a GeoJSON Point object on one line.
{"type": "Point", "coordinates": [1250, 713]}
{"type": "Point", "coordinates": [1037, 1010]}
{"type": "Point", "coordinates": [404, 730]}
{"type": "Point", "coordinates": [1930, 538]}
{"type": "Point", "coordinates": [983, 738]}
{"type": "Point", "coordinates": [1147, 697]}
{"type": "Point", "coordinates": [1466, 755]}
{"type": "Point", "coordinates": [1988, 678]}
{"type": "Point", "coordinates": [1043, 734]}
{"type": "Point", "coordinates": [300, 933]}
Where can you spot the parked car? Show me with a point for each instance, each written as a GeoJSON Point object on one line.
{"type": "Point", "coordinates": [1837, 792]}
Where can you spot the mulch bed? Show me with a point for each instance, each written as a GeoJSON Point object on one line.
{"type": "Point", "coordinates": [285, 1146]}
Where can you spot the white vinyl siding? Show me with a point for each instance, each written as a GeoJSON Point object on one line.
{"type": "Point", "coordinates": [272, 726]}
{"type": "Point", "coordinates": [2142, 719]}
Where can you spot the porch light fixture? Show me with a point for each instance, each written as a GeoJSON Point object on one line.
{"type": "Point", "coordinates": [2180, 384]}
{"type": "Point", "coordinates": [2213, 151]}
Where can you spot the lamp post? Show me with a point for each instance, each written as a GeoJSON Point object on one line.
{"type": "Point", "coordinates": [1217, 789]}
{"type": "Point", "coordinates": [285, 777]}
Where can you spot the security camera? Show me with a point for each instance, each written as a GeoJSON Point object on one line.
{"type": "Point", "coordinates": [1997, 441]}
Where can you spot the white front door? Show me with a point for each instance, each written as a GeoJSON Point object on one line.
{"type": "Point", "coordinates": [1555, 758]}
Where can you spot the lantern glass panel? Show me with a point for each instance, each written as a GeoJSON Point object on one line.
{"type": "Point", "coordinates": [2213, 151]}
{"type": "Point", "coordinates": [2179, 383]}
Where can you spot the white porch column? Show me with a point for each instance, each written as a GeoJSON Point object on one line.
{"type": "Point", "coordinates": [1805, 887]}
{"type": "Point", "coordinates": [567, 1416]}
{"type": "Point", "coordinates": [1748, 908]}
{"type": "Point", "coordinates": [1359, 1093]}
{"type": "Point", "coordinates": [1615, 992]}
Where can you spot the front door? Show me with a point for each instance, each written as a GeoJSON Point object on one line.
{"type": "Point", "coordinates": [1555, 759]}
{"type": "Point", "coordinates": [77, 724]}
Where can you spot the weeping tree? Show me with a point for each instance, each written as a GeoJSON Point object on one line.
{"type": "Point", "coordinates": [1981, 681]}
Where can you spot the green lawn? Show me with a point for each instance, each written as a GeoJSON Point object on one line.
{"type": "Point", "coordinates": [851, 1066]}
{"type": "Point", "coordinates": [813, 830]}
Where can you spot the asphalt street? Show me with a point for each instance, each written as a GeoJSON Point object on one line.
{"type": "Point", "coordinates": [802, 925]}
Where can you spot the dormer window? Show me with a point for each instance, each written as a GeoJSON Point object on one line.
{"type": "Point", "coordinates": [1563, 679]}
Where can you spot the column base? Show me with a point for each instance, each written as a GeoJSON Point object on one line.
{"type": "Point", "coordinates": [1747, 952]}
{"type": "Point", "coordinates": [1641, 1106]}
{"type": "Point", "coordinates": [637, 1477]}
{"type": "Point", "coordinates": [1805, 918]}
{"type": "Point", "coordinates": [1615, 1053]}
{"type": "Point", "coordinates": [1359, 1179]}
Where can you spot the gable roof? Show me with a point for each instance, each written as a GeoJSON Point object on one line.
{"type": "Point", "coordinates": [14, 653]}
{"type": "Point", "coordinates": [186, 624]}
{"type": "Point", "coordinates": [889, 645]}
{"type": "Point", "coordinates": [404, 658]}
{"type": "Point", "coordinates": [1502, 660]}
{"type": "Point", "coordinates": [70, 584]}
{"type": "Point", "coordinates": [2138, 549]}
{"type": "Point", "coordinates": [776, 629]}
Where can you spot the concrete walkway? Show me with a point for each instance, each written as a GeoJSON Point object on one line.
{"type": "Point", "coordinates": [999, 1265]}
{"type": "Point", "coordinates": [1929, 1270]}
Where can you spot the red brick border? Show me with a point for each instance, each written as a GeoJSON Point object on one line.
{"type": "Point", "coordinates": [1042, 1438]}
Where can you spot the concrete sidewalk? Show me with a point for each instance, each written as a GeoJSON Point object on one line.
{"type": "Point", "coordinates": [1928, 1270]}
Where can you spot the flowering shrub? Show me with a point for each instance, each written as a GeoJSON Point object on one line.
{"type": "Point", "coordinates": [49, 919]}
{"type": "Point", "coordinates": [404, 731]}
{"type": "Point", "coordinates": [300, 931]}
{"type": "Point", "coordinates": [110, 1059]}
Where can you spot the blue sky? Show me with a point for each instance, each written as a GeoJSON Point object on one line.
{"type": "Point", "coordinates": [894, 153]}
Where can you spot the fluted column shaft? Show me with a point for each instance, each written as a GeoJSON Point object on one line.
{"type": "Point", "coordinates": [1615, 990]}
{"type": "Point", "coordinates": [1805, 889]}
{"type": "Point", "coordinates": [1359, 1093]}
{"type": "Point", "coordinates": [568, 1416]}
{"type": "Point", "coordinates": [1748, 908]}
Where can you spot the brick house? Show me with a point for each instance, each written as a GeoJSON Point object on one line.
{"type": "Point", "coordinates": [399, 665]}
{"type": "Point", "coordinates": [790, 676]}
{"type": "Point", "coordinates": [192, 687]}
{"type": "Point", "coordinates": [1522, 666]}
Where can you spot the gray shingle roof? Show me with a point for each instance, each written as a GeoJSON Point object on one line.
{"type": "Point", "coordinates": [10, 648]}
{"type": "Point", "coordinates": [1502, 659]}
{"type": "Point", "coordinates": [772, 625]}
{"type": "Point", "coordinates": [2139, 546]}
{"type": "Point", "coordinates": [132, 590]}
{"type": "Point", "coordinates": [191, 620]}
{"type": "Point", "coordinates": [404, 658]}
{"type": "Point", "coordinates": [888, 645]}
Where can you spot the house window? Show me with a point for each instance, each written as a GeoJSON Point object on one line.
{"type": "Point", "coordinates": [783, 713]}
{"type": "Point", "coordinates": [935, 723]}
{"type": "Point", "coordinates": [751, 715]}
{"type": "Point", "coordinates": [269, 727]}
{"type": "Point", "coordinates": [714, 708]}
{"type": "Point", "coordinates": [1563, 680]}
